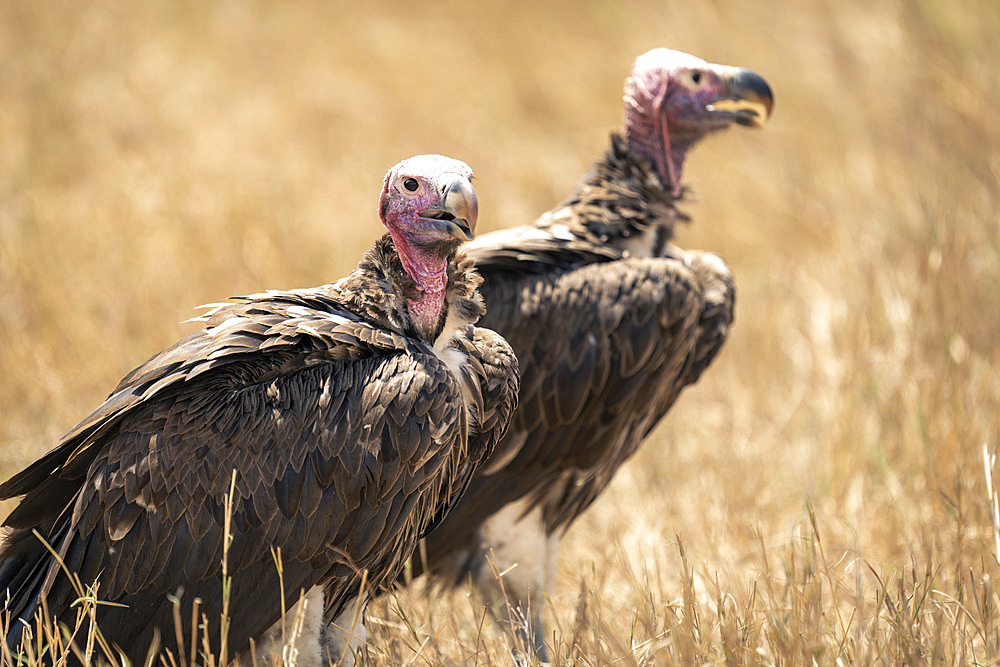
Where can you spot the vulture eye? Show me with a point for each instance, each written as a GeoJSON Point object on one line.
{"type": "Point", "coordinates": [696, 77]}
{"type": "Point", "coordinates": [410, 184]}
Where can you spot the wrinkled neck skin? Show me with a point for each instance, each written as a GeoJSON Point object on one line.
{"type": "Point", "coordinates": [426, 313]}
{"type": "Point", "coordinates": [430, 277]}
{"type": "Point", "coordinates": [645, 138]}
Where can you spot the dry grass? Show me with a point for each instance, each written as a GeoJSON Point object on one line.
{"type": "Point", "coordinates": [821, 495]}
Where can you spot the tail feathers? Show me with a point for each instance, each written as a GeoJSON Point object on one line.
{"type": "Point", "coordinates": [20, 584]}
{"type": "Point", "coordinates": [25, 563]}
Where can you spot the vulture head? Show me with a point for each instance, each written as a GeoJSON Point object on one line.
{"type": "Point", "coordinates": [673, 99]}
{"type": "Point", "coordinates": [430, 208]}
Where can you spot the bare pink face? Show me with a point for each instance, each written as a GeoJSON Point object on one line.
{"type": "Point", "coordinates": [673, 99]}
{"type": "Point", "coordinates": [429, 206]}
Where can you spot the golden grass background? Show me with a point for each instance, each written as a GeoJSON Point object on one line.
{"type": "Point", "coordinates": [156, 156]}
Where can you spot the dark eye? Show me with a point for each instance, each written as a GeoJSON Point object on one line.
{"type": "Point", "coordinates": [410, 184]}
{"type": "Point", "coordinates": [696, 77]}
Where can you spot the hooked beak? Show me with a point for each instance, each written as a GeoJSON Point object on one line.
{"type": "Point", "coordinates": [459, 207]}
{"type": "Point", "coordinates": [749, 101]}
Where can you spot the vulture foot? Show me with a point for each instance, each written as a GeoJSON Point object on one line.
{"type": "Point", "coordinates": [521, 561]}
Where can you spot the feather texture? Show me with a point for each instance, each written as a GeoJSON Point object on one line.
{"type": "Point", "coordinates": [610, 322]}
{"type": "Point", "coordinates": [348, 436]}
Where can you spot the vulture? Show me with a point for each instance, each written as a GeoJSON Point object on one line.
{"type": "Point", "coordinates": [609, 321]}
{"type": "Point", "coordinates": [328, 426]}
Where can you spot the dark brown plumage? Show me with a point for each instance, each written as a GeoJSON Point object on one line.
{"type": "Point", "coordinates": [349, 433]}
{"type": "Point", "coordinates": [609, 320]}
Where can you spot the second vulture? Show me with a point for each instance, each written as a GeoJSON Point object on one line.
{"type": "Point", "coordinates": [609, 321]}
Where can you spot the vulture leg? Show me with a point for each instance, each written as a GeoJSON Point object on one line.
{"type": "Point", "coordinates": [531, 634]}
{"type": "Point", "coordinates": [295, 639]}
{"type": "Point", "coordinates": [345, 636]}
{"type": "Point", "coordinates": [522, 568]}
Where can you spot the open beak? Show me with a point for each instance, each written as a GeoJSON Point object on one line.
{"type": "Point", "coordinates": [749, 101]}
{"type": "Point", "coordinates": [459, 207]}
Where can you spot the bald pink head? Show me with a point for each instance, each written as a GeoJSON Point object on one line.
{"type": "Point", "coordinates": [429, 206]}
{"type": "Point", "coordinates": [673, 99]}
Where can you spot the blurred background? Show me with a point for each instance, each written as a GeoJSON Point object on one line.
{"type": "Point", "coordinates": [825, 481]}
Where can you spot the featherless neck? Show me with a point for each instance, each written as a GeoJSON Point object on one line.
{"type": "Point", "coordinates": [646, 139]}
{"type": "Point", "coordinates": [398, 296]}
{"type": "Point", "coordinates": [425, 312]}
{"type": "Point", "coordinates": [429, 273]}
{"type": "Point", "coordinates": [642, 140]}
